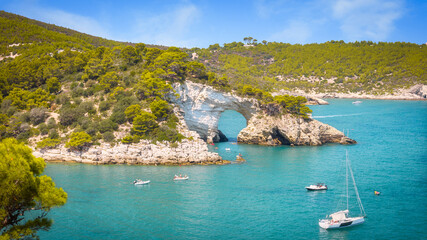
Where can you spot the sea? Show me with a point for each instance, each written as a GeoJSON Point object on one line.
{"type": "Point", "coordinates": [265, 197]}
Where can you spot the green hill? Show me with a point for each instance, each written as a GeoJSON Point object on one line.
{"type": "Point", "coordinates": [334, 66]}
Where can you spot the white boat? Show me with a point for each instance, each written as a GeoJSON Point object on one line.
{"type": "Point", "coordinates": [317, 187]}
{"type": "Point", "coordinates": [227, 149]}
{"type": "Point", "coordinates": [140, 182]}
{"type": "Point", "coordinates": [357, 102]}
{"type": "Point", "coordinates": [178, 178]}
{"type": "Point", "coordinates": [341, 219]}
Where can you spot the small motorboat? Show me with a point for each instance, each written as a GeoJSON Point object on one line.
{"type": "Point", "coordinates": [377, 193]}
{"type": "Point", "coordinates": [357, 102]}
{"type": "Point", "coordinates": [227, 149]}
{"type": "Point", "coordinates": [178, 178]}
{"type": "Point", "coordinates": [317, 187]}
{"type": "Point", "coordinates": [140, 182]}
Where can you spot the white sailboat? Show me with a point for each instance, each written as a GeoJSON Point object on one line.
{"type": "Point", "coordinates": [342, 219]}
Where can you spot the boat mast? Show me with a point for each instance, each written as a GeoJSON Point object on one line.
{"type": "Point", "coordinates": [362, 210]}
{"type": "Point", "coordinates": [346, 175]}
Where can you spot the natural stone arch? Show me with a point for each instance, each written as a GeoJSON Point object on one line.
{"type": "Point", "coordinates": [230, 124]}
{"type": "Point", "coordinates": [202, 106]}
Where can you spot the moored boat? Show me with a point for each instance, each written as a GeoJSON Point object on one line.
{"type": "Point", "coordinates": [140, 182]}
{"type": "Point", "coordinates": [178, 178]}
{"type": "Point", "coordinates": [342, 219]}
{"type": "Point", "coordinates": [317, 187]}
{"type": "Point", "coordinates": [357, 102]}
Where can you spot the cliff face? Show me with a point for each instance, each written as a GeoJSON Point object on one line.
{"type": "Point", "coordinates": [201, 106]}
{"type": "Point", "coordinates": [289, 130]}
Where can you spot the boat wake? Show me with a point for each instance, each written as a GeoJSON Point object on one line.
{"type": "Point", "coordinates": [340, 115]}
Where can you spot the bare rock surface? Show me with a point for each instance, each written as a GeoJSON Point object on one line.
{"type": "Point", "coordinates": [288, 130]}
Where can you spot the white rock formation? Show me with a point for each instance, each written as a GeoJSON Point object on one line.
{"type": "Point", "coordinates": [144, 153]}
{"type": "Point", "coordinates": [201, 107]}
{"type": "Point", "coordinates": [289, 130]}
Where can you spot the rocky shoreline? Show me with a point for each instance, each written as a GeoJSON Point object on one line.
{"type": "Point", "coordinates": [143, 153]}
{"type": "Point", "coordinates": [417, 93]}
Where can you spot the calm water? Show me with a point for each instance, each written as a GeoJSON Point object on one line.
{"type": "Point", "coordinates": [265, 197]}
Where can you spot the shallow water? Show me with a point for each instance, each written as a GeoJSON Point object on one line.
{"type": "Point", "coordinates": [264, 197]}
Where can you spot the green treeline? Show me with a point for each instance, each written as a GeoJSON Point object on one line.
{"type": "Point", "coordinates": [333, 66]}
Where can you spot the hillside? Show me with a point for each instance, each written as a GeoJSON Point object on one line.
{"type": "Point", "coordinates": [59, 86]}
{"type": "Point", "coordinates": [335, 66]}
{"type": "Point", "coordinates": [62, 87]}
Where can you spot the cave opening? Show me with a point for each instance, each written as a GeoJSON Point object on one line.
{"type": "Point", "coordinates": [277, 136]}
{"type": "Point", "coordinates": [230, 124]}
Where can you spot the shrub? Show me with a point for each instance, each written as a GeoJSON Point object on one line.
{"type": "Point", "coordinates": [51, 123]}
{"type": "Point", "coordinates": [53, 85]}
{"type": "Point", "coordinates": [87, 107]}
{"type": "Point", "coordinates": [108, 136]}
{"type": "Point", "coordinates": [160, 109]}
{"type": "Point", "coordinates": [43, 129]}
{"type": "Point", "coordinates": [164, 133]}
{"type": "Point", "coordinates": [78, 140]}
{"type": "Point", "coordinates": [132, 111]}
{"type": "Point", "coordinates": [48, 143]}
{"type": "Point", "coordinates": [53, 134]}
{"type": "Point", "coordinates": [144, 124]}
{"type": "Point", "coordinates": [107, 125]}
{"type": "Point", "coordinates": [69, 116]}
{"type": "Point", "coordinates": [38, 115]}
{"type": "Point", "coordinates": [104, 106]}
{"type": "Point", "coordinates": [24, 117]}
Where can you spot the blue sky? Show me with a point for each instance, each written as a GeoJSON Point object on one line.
{"type": "Point", "coordinates": [187, 23]}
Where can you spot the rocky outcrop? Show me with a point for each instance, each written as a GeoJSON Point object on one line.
{"type": "Point", "coordinates": [191, 150]}
{"type": "Point", "coordinates": [288, 130]}
{"type": "Point", "coordinates": [143, 153]}
{"type": "Point", "coordinates": [201, 106]}
{"type": "Point", "coordinates": [419, 90]}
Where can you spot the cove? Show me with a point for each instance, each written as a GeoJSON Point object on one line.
{"type": "Point", "coordinates": [264, 197]}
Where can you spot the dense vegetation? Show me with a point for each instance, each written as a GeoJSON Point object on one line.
{"type": "Point", "coordinates": [26, 196]}
{"type": "Point", "coordinates": [71, 88]}
{"type": "Point", "coordinates": [335, 66]}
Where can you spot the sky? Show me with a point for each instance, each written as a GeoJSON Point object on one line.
{"type": "Point", "coordinates": [191, 23]}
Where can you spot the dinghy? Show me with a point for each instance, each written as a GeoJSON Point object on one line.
{"type": "Point", "coordinates": [178, 178]}
{"type": "Point", "coordinates": [140, 182]}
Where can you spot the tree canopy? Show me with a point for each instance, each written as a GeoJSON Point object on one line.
{"type": "Point", "coordinates": [23, 190]}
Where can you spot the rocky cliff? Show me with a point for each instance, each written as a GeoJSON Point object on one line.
{"type": "Point", "coordinates": [201, 106]}
{"type": "Point", "coordinates": [289, 130]}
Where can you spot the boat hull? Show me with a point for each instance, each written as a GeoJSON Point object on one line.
{"type": "Point", "coordinates": [180, 179]}
{"type": "Point", "coordinates": [142, 183]}
{"type": "Point", "coordinates": [315, 189]}
{"type": "Point", "coordinates": [349, 222]}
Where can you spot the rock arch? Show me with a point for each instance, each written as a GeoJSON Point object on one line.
{"type": "Point", "coordinates": [202, 106]}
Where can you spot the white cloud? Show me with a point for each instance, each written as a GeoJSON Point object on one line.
{"type": "Point", "coordinates": [171, 28]}
{"type": "Point", "coordinates": [295, 32]}
{"type": "Point", "coordinates": [367, 19]}
{"type": "Point", "coordinates": [76, 22]}
{"type": "Point", "coordinates": [61, 18]}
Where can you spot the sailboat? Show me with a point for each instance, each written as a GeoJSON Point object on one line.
{"type": "Point", "coordinates": [342, 219]}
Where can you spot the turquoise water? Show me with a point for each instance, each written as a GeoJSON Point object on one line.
{"type": "Point", "coordinates": [265, 197]}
